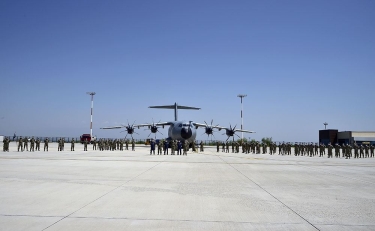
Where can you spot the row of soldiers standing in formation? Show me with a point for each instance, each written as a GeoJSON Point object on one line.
{"type": "Point", "coordinates": [300, 149]}
{"type": "Point", "coordinates": [103, 144]}
{"type": "Point", "coordinates": [175, 146]}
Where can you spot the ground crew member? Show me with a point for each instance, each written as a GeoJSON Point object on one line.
{"type": "Point", "coordinates": [201, 146]}
{"type": "Point", "coordinates": [217, 146]}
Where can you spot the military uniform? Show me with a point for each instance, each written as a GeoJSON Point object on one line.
{"type": "Point", "coordinates": [85, 145]}
{"type": "Point", "coordinates": [72, 145]}
{"type": "Point", "coordinates": [32, 144]}
{"type": "Point", "coordinates": [133, 145]}
{"type": "Point", "coordinates": [46, 144]}
{"type": "Point", "coordinates": [26, 144]}
{"type": "Point", "coordinates": [20, 146]}
{"type": "Point", "coordinates": [37, 144]}
{"type": "Point", "coordinates": [201, 146]}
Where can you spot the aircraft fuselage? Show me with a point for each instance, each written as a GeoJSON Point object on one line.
{"type": "Point", "coordinates": [182, 130]}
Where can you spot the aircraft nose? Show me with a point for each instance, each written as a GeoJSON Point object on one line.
{"type": "Point", "coordinates": [186, 133]}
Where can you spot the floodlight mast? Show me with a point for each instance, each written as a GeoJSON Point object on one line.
{"type": "Point", "coordinates": [325, 125]}
{"type": "Point", "coordinates": [92, 106]}
{"type": "Point", "coordinates": [241, 96]}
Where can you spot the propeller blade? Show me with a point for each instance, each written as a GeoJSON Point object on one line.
{"type": "Point", "coordinates": [212, 122]}
{"type": "Point", "coordinates": [149, 135]}
{"type": "Point", "coordinates": [234, 127]}
{"type": "Point", "coordinates": [228, 138]}
{"type": "Point", "coordinates": [236, 135]}
{"type": "Point", "coordinates": [160, 133]}
{"type": "Point", "coordinates": [205, 123]}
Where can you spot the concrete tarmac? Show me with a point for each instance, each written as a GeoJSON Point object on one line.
{"type": "Point", "coordinates": [131, 190]}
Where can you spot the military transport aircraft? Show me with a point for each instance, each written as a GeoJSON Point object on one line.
{"type": "Point", "coordinates": [180, 130]}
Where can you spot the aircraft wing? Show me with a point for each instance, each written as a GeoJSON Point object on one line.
{"type": "Point", "coordinates": [138, 125]}
{"type": "Point", "coordinates": [204, 125]}
{"type": "Point", "coordinates": [236, 130]}
{"type": "Point", "coordinates": [114, 127]}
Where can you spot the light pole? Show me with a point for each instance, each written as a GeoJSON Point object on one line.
{"type": "Point", "coordinates": [92, 106]}
{"type": "Point", "coordinates": [241, 96]}
{"type": "Point", "coordinates": [325, 125]}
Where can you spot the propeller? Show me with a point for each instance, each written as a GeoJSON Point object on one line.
{"type": "Point", "coordinates": [209, 129]}
{"type": "Point", "coordinates": [231, 132]}
{"type": "Point", "coordinates": [153, 128]}
{"type": "Point", "coordinates": [130, 130]}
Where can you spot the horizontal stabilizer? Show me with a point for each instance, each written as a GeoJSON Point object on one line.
{"type": "Point", "coordinates": [174, 106]}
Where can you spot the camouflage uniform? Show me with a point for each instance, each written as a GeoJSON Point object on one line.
{"type": "Point", "coordinates": [20, 140]}
{"type": "Point", "coordinates": [72, 145]}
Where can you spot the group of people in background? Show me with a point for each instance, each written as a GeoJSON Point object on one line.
{"type": "Point", "coordinates": [300, 149]}
{"type": "Point", "coordinates": [181, 147]}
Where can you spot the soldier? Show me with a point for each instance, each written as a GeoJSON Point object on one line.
{"type": "Point", "coordinates": [59, 145]}
{"type": "Point", "coordinates": [7, 144]}
{"type": "Point", "coordinates": [186, 147]}
{"type": "Point", "coordinates": [85, 145]}
{"type": "Point", "coordinates": [26, 144]}
{"type": "Point", "coordinates": [166, 147]}
{"type": "Point", "coordinates": [371, 150]}
{"type": "Point", "coordinates": [348, 151]}
{"type": "Point", "coordinates": [330, 147]}
{"type": "Point", "coordinates": [160, 145]}
{"type": "Point", "coordinates": [37, 143]}
{"type": "Point", "coordinates": [152, 147]}
{"type": "Point", "coordinates": [32, 144]}
{"type": "Point", "coordinates": [46, 144]}
{"type": "Point", "coordinates": [94, 145]}
{"type": "Point", "coordinates": [20, 140]}
{"type": "Point", "coordinates": [72, 145]}
{"type": "Point", "coordinates": [127, 144]}
{"type": "Point", "coordinates": [337, 150]}
{"type": "Point", "coordinates": [227, 147]}
{"type": "Point", "coordinates": [121, 145]}
{"type": "Point", "coordinates": [179, 148]}
{"type": "Point", "coordinates": [366, 151]}
{"type": "Point", "coordinates": [217, 146]}
{"type": "Point", "coordinates": [62, 144]}
{"type": "Point", "coordinates": [193, 146]}
{"type": "Point", "coordinates": [355, 146]}
{"type": "Point", "coordinates": [133, 145]}
{"type": "Point", "coordinates": [361, 154]}
{"type": "Point", "coordinates": [4, 144]}
{"type": "Point", "coordinates": [201, 146]}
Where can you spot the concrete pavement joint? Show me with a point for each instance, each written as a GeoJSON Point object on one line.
{"type": "Point", "coordinates": [271, 195]}
{"type": "Point", "coordinates": [101, 196]}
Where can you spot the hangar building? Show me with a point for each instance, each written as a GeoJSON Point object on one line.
{"type": "Point", "coordinates": [346, 137]}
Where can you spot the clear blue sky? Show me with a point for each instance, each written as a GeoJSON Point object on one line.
{"type": "Point", "coordinates": [301, 63]}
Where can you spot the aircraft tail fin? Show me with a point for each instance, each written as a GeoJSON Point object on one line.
{"type": "Point", "coordinates": [175, 107]}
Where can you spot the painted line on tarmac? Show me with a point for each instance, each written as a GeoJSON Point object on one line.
{"type": "Point", "coordinates": [272, 195]}
{"type": "Point", "coordinates": [102, 196]}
